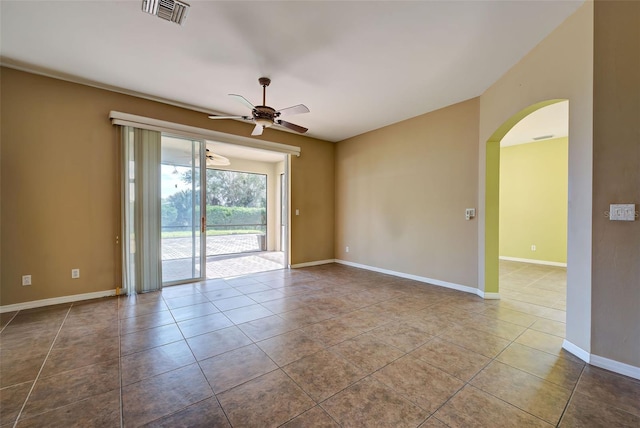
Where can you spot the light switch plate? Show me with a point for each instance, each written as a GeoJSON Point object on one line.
{"type": "Point", "coordinates": [622, 212]}
{"type": "Point", "coordinates": [470, 213]}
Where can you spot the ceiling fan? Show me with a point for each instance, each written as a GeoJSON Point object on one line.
{"type": "Point", "coordinates": [265, 116]}
{"type": "Point", "coordinates": [184, 158]}
{"type": "Point", "coordinates": [213, 159]}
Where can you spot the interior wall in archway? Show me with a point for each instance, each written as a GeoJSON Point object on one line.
{"type": "Point", "coordinates": [533, 201]}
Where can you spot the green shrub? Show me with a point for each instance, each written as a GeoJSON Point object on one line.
{"type": "Point", "coordinates": [218, 215]}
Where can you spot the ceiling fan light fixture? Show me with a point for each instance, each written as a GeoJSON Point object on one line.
{"type": "Point", "coordinates": [264, 122]}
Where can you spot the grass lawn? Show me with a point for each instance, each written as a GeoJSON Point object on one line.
{"type": "Point", "coordinates": [187, 234]}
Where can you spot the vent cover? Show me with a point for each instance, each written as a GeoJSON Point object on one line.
{"type": "Point", "coordinates": [169, 10]}
{"type": "Point", "coordinates": [543, 137]}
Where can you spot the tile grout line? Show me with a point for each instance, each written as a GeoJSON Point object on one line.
{"type": "Point", "coordinates": [8, 322]}
{"type": "Point", "coordinates": [186, 342]}
{"type": "Point", "coordinates": [573, 391]}
{"type": "Point", "coordinates": [120, 363]}
{"type": "Point", "coordinates": [405, 354]}
{"type": "Point", "coordinates": [281, 368]}
{"type": "Point", "coordinates": [15, 424]}
{"type": "Point", "coordinates": [327, 348]}
{"type": "Point", "coordinates": [120, 359]}
{"type": "Point", "coordinates": [524, 371]}
{"type": "Point", "coordinates": [468, 383]}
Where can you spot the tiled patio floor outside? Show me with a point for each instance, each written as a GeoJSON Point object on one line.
{"type": "Point", "coordinates": [180, 248]}
{"type": "Point", "coordinates": [227, 256]}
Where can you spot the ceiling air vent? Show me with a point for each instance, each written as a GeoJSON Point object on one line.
{"type": "Point", "coordinates": [169, 10]}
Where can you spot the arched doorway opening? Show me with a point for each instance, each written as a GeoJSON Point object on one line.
{"type": "Point", "coordinates": [492, 196]}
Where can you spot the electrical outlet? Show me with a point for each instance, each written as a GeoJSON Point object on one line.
{"type": "Point", "coordinates": [26, 279]}
{"type": "Point", "coordinates": [75, 273]}
{"type": "Point", "coordinates": [533, 247]}
{"type": "Point", "coordinates": [346, 249]}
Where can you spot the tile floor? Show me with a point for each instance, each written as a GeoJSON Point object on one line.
{"type": "Point", "coordinates": [316, 347]}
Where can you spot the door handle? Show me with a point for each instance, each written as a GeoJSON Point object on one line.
{"type": "Point", "coordinates": [203, 224]}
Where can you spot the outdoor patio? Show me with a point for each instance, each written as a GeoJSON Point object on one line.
{"type": "Point", "coordinates": [227, 256]}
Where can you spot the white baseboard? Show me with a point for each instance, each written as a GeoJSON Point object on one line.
{"type": "Point", "coordinates": [488, 296]}
{"type": "Point", "coordinates": [56, 301]}
{"type": "Point", "coordinates": [316, 263]}
{"type": "Point", "coordinates": [532, 261]}
{"type": "Point", "coordinates": [576, 350]}
{"type": "Point", "coordinates": [602, 362]}
{"type": "Point", "coordinates": [616, 366]}
{"type": "Point", "coordinates": [454, 286]}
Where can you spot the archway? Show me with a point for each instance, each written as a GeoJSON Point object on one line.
{"type": "Point", "coordinates": [492, 196]}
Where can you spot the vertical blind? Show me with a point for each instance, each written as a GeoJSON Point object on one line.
{"type": "Point", "coordinates": [141, 205]}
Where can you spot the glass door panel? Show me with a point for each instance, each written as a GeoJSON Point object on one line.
{"type": "Point", "coordinates": [182, 210]}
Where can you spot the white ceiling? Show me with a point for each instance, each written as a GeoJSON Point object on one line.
{"type": "Point", "coordinates": [357, 65]}
{"type": "Point", "coordinates": [550, 121]}
{"type": "Point", "coordinates": [234, 151]}
{"type": "Point", "coordinates": [177, 151]}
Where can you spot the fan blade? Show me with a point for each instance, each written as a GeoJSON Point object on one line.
{"type": "Point", "coordinates": [292, 126]}
{"type": "Point", "coordinates": [299, 109]}
{"type": "Point", "coordinates": [229, 117]}
{"type": "Point", "coordinates": [242, 100]}
{"type": "Point", "coordinates": [257, 130]}
{"type": "Point", "coordinates": [214, 159]}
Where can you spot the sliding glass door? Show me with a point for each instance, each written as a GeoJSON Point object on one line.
{"type": "Point", "coordinates": [182, 214]}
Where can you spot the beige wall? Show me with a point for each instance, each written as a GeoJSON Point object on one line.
{"type": "Point", "coordinates": [560, 67]}
{"type": "Point", "coordinates": [616, 179]}
{"type": "Point", "coordinates": [60, 185]}
{"type": "Point", "coordinates": [312, 194]}
{"type": "Point", "coordinates": [401, 194]}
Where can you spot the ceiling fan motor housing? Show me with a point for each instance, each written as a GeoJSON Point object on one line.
{"type": "Point", "coordinates": [264, 115]}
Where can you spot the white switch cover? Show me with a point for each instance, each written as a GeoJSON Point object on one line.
{"type": "Point", "coordinates": [297, 212]}
{"type": "Point", "coordinates": [26, 279]}
{"type": "Point", "coordinates": [75, 273]}
{"type": "Point", "coordinates": [470, 213]}
{"type": "Point", "coordinates": [622, 212]}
